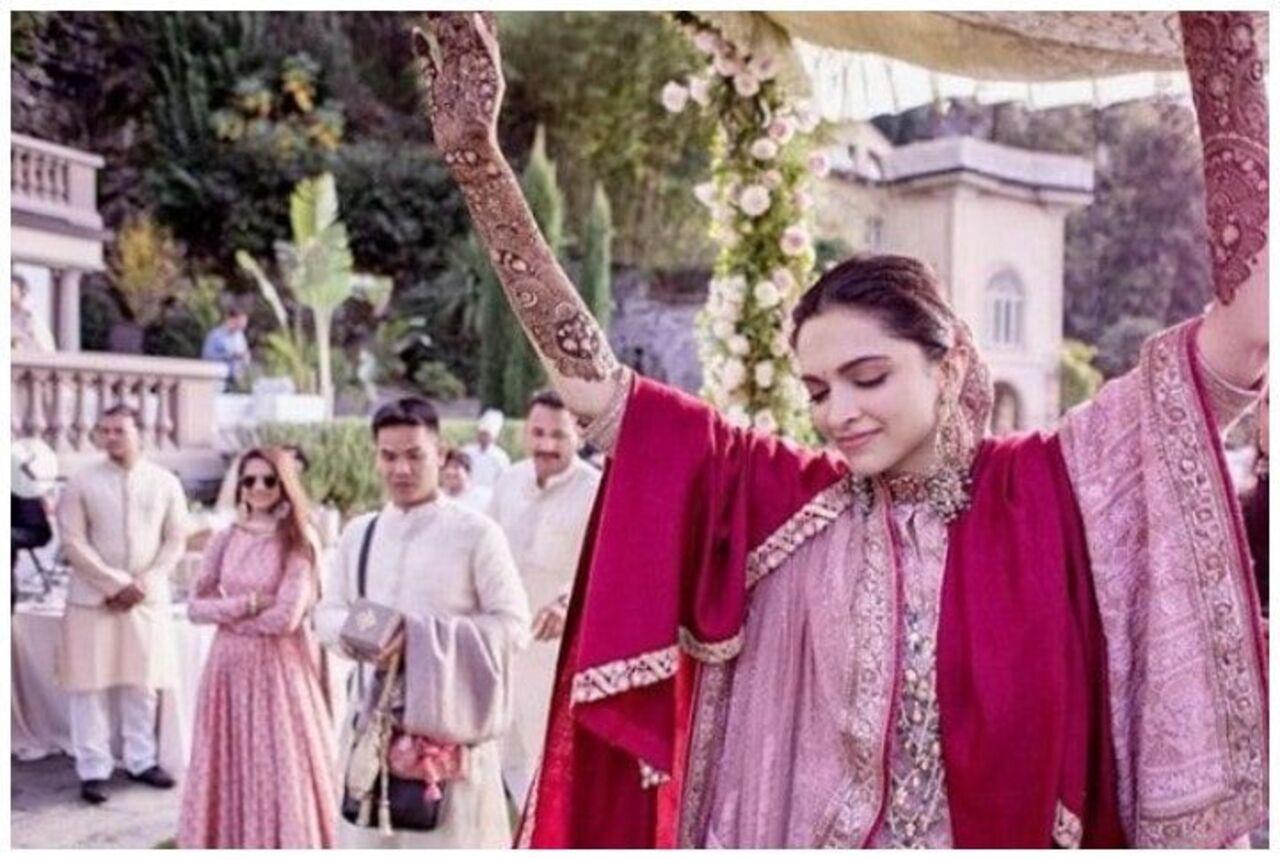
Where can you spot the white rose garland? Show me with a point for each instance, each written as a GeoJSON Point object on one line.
{"type": "Point", "coordinates": [757, 201]}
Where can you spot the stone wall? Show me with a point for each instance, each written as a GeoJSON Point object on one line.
{"type": "Point", "coordinates": [653, 326]}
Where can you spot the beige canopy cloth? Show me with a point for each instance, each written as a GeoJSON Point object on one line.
{"type": "Point", "coordinates": [858, 64]}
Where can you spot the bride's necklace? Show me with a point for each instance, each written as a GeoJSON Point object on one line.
{"type": "Point", "coordinates": [945, 490]}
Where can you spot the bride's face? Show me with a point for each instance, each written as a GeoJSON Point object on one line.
{"type": "Point", "coordinates": [872, 396]}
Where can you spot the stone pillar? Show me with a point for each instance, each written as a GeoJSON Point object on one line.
{"type": "Point", "coordinates": [67, 307]}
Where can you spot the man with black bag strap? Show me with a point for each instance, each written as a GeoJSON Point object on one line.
{"type": "Point", "coordinates": [430, 586]}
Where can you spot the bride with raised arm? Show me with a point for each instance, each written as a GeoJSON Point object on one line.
{"type": "Point", "coordinates": [932, 638]}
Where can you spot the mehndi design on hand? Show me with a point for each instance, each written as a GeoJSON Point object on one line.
{"type": "Point", "coordinates": [461, 70]}
{"type": "Point", "coordinates": [1228, 85]}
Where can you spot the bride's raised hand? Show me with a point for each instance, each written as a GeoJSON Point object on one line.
{"type": "Point", "coordinates": [462, 76]}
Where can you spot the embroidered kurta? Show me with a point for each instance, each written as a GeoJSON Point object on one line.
{"type": "Point", "coordinates": [262, 758]}
{"type": "Point", "coordinates": [545, 527]}
{"type": "Point", "coordinates": [120, 526]}
{"type": "Point", "coordinates": [444, 561]}
{"type": "Point", "coordinates": [794, 722]}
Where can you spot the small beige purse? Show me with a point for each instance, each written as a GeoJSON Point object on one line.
{"type": "Point", "coordinates": [369, 628]}
{"type": "Point", "coordinates": [368, 760]}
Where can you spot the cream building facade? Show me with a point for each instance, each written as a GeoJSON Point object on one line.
{"type": "Point", "coordinates": [990, 219]}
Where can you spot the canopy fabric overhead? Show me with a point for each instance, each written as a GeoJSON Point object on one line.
{"type": "Point", "coordinates": [859, 64]}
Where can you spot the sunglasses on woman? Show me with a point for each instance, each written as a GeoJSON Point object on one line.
{"type": "Point", "coordinates": [268, 481]}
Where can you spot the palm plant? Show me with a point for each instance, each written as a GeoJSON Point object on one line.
{"type": "Point", "coordinates": [318, 270]}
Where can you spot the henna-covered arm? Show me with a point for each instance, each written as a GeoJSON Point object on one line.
{"type": "Point", "coordinates": [1229, 88]}
{"type": "Point", "coordinates": [461, 71]}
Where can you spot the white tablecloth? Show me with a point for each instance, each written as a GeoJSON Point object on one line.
{"type": "Point", "coordinates": [39, 723]}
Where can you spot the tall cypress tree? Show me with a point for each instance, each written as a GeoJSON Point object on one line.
{"type": "Point", "coordinates": [597, 260]}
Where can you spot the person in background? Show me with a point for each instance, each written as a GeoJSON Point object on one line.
{"type": "Point", "coordinates": [543, 504]}
{"type": "Point", "coordinates": [27, 332]}
{"type": "Point", "coordinates": [258, 581]}
{"type": "Point", "coordinates": [227, 343]}
{"type": "Point", "coordinates": [122, 522]}
{"type": "Point", "coordinates": [447, 571]}
{"type": "Point", "coordinates": [488, 460]}
{"type": "Point", "coordinates": [455, 480]}
{"type": "Point", "coordinates": [32, 475]}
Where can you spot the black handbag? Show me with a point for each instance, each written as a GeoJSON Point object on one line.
{"type": "Point", "coordinates": [409, 809]}
{"type": "Point", "coordinates": [401, 804]}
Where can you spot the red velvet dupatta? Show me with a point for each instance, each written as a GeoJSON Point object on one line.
{"type": "Point", "coordinates": [692, 512]}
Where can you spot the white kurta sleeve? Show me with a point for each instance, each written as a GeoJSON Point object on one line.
{"type": "Point", "coordinates": [458, 684]}
{"type": "Point", "coordinates": [73, 532]}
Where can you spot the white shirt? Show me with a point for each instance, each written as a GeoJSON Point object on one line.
{"type": "Point", "coordinates": [487, 464]}
{"type": "Point", "coordinates": [441, 559]}
{"type": "Point", "coordinates": [475, 497]}
{"type": "Point", "coordinates": [545, 526]}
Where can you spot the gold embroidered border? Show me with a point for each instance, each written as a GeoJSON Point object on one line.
{"type": "Point", "coordinates": [710, 652]}
{"type": "Point", "coordinates": [714, 682]}
{"type": "Point", "coordinates": [1185, 437]}
{"type": "Point", "coordinates": [1068, 830]}
{"type": "Point", "coordinates": [816, 516]}
{"type": "Point", "coordinates": [610, 679]}
{"type": "Point", "coordinates": [853, 809]}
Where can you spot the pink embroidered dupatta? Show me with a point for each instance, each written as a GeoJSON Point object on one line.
{"type": "Point", "coordinates": [693, 513]}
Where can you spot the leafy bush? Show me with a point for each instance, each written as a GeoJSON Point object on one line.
{"type": "Point", "coordinates": [434, 380]}
{"type": "Point", "coordinates": [146, 266]}
{"type": "Point", "coordinates": [1078, 378]}
{"type": "Point", "coordinates": [98, 313]}
{"type": "Point", "coordinates": [1120, 344]}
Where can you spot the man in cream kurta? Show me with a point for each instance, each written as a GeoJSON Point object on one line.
{"type": "Point", "coordinates": [543, 504]}
{"type": "Point", "coordinates": [431, 558]}
{"type": "Point", "coordinates": [123, 524]}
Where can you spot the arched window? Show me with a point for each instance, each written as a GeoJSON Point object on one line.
{"type": "Point", "coordinates": [1006, 301]}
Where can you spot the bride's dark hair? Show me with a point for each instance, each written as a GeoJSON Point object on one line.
{"type": "Point", "coordinates": [903, 293]}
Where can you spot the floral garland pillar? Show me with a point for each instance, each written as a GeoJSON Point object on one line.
{"type": "Point", "coordinates": [758, 200]}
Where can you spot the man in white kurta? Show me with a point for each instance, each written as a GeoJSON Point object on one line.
{"type": "Point", "coordinates": [429, 557]}
{"type": "Point", "coordinates": [488, 459]}
{"type": "Point", "coordinates": [123, 524]}
{"type": "Point", "coordinates": [542, 504]}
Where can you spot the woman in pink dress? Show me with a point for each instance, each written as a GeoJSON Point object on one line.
{"type": "Point", "coordinates": [921, 636]}
{"type": "Point", "coordinates": [261, 772]}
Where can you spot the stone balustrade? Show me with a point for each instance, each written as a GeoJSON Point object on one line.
{"type": "Point", "coordinates": [55, 181]}
{"type": "Point", "coordinates": [60, 396]}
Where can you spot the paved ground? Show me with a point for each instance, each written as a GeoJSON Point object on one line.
{"type": "Point", "coordinates": [46, 810]}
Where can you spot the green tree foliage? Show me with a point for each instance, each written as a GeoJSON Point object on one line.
{"type": "Point", "coordinates": [1078, 378]}
{"type": "Point", "coordinates": [593, 78]}
{"type": "Point", "coordinates": [1120, 344]}
{"type": "Point", "coordinates": [597, 258]}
